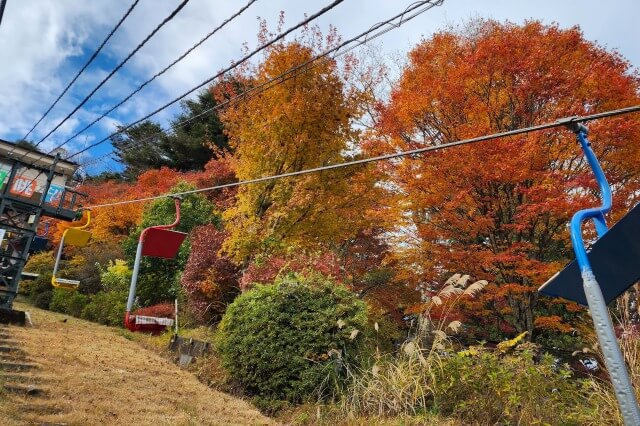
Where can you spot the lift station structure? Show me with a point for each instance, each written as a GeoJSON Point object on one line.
{"type": "Point", "coordinates": [32, 185]}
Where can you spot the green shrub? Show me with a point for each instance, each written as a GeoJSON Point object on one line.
{"type": "Point", "coordinates": [88, 269]}
{"type": "Point", "coordinates": [41, 264]}
{"type": "Point", "coordinates": [106, 308]}
{"type": "Point", "coordinates": [487, 388]}
{"type": "Point", "coordinates": [68, 302]}
{"type": "Point", "coordinates": [281, 341]}
{"type": "Point", "coordinates": [116, 276]}
{"type": "Point", "coordinates": [43, 300]}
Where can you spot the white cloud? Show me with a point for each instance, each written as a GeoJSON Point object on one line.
{"type": "Point", "coordinates": [37, 38]}
{"type": "Point", "coordinates": [41, 40]}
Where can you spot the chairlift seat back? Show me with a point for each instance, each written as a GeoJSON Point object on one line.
{"type": "Point", "coordinates": [163, 243]}
{"type": "Point", "coordinates": [615, 260]}
{"type": "Point", "coordinates": [38, 244]}
{"type": "Point", "coordinates": [76, 237]}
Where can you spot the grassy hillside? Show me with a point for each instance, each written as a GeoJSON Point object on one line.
{"type": "Point", "coordinates": [82, 373]}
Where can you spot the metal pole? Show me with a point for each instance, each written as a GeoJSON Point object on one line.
{"type": "Point", "coordinates": [134, 275]}
{"type": "Point", "coordinates": [55, 266]}
{"type": "Point", "coordinates": [613, 357]}
{"type": "Point", "coordinates": [176, 315]}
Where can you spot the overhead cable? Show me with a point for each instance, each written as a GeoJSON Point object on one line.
{"type": "Point", "coordinates": [116, 69]}
{"type": "Point", "coordinates": [365, 37]}
{"type": "Point", "coordinates": [93, 56]}
{"type": "Point", "coordinates": [558, 123]}
{"type": "Point", "coordinates": [158, 74]}
{"type": "Point", "coordinates": [219, 74]}
{"type": "Point", "coordinates": [3, 3]}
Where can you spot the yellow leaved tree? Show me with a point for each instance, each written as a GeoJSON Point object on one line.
{"type": "Point", "coordinates": [303, 122]}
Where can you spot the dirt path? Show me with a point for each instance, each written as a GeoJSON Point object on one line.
{"type": "Point", "coordinates": [78, 373]}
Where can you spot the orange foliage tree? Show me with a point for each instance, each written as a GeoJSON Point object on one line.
{"type": "Point", "coordinates": [115, 223]}
{"type": "Point", "coordinates": [499, 209]}
{"type": "Point", "coordinates": [302, 123]}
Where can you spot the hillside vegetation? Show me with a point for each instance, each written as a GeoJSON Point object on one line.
{"type": "Point", "coordinates": [90, 374]}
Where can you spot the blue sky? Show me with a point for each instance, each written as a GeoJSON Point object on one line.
{"type": "Point", "coordinates": [44, 42]}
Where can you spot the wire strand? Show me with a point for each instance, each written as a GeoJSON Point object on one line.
{"type": "Point", "coordinates": [417, 7]}
{"type": "Point", "coordinates": [282, 35]}
{"type": "Point", "coordinates": [557, 123]}
{"type": "Point", "coordinates": [219, 74]}
{"type": "Point", "coordinates": [3, 3]}
{"type": "Point", "coordinates": [117, 68]}
{"type": "Point", "coordinates": [93, 56]}
{"type": "Point", "coordinates": [158, 74]}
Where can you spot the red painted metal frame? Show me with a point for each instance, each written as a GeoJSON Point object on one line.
{"type": "Point", "coordinates": [153, 236]}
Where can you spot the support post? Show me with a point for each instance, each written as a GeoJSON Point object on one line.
{"type": "Point", "coordinates": [176, 317]}
{"type": "Point", "coordinates": [58, 257]}
{"type": "Point", "coordinates": [134, 275]}
{"type": "Point", "coordinates": [603, 325]}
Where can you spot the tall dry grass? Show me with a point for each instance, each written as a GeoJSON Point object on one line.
{"type": "Point", "coordinates": [403, 384]}
{"type": "Point", "coordinates": [512, 384]}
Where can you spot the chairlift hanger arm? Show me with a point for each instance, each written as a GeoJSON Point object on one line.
{"type": "Point", "coordinates": [88, 219]}
{"type": "Point", "coordinates": [613, 357]}
{"type": "Point", "coordinates": [175, 223]}
{"type": "Point", "coordinates": [597, 214]}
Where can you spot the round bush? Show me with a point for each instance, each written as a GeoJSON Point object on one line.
{"type": "Point", "coordinates": [66, 302]}
{"type": "Point", "coordinates": [43, 300]}
{"type": "Point", "coordinates": [281, 341]}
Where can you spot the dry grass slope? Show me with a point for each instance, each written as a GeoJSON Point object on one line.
{"type": "Point", "coordinates": [91, 374]}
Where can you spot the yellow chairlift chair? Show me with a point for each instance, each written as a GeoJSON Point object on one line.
{"type": "Point", "coordinates": [75, 236]}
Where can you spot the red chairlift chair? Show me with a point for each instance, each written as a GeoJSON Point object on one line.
{"type": "Point", "coordinates": [156, 241]}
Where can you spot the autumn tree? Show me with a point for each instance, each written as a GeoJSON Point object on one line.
{"type": "Point", "coordinates": [300, 123]}
{"type": "Point", "coordinates": [218, 171]}
{"type": "Point", "coordinates": [210, 279]}
{"type": "Point", "coordinates": [499, 209]}
{"type": "Point", "coordinates": [115, 223]}
{"type": "Point", "coordinates": [197, 135]}
{"type": "Point", "coordinates": [360, 263]}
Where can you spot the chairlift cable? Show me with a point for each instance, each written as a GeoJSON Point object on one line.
{"type": "Point", "coordinates": [231, 67]}
{"type": "Point", "coordinates": [385, 157]}
{"type": "Point", "coordinates": [91, 59]}
{"type": "Point", "coordinates": [116, 69]}
{"type": "Point", "coordinates": [3, 3]}
{"type": "Point", "coordinates": [277, 38]}
{"type": "Point", "coordinates": [159, 73]}
{"type": "Point", "coordinates": [361, 39]}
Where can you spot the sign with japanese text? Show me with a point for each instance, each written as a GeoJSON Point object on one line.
{"type": "Point", "coordinates": [54, 194]}
{"type": "Point", "coordinates": [23, 186]}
